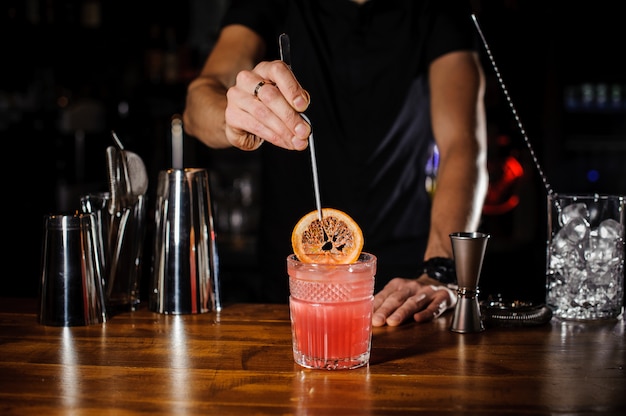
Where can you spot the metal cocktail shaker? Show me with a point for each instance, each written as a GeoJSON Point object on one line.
{"type": "Point", "coordinates": [185, 262]}
{"type": "Point", "coordinates": [71, 292]}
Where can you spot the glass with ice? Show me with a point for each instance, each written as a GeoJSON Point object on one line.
{"type": "Point", "coordinates": [331, 312]}
{"type": "Point", "coordinates": [585, 256]}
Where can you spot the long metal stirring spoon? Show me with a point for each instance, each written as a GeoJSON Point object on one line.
{"type": "Point", "coordinates": [544, 179]}
{"type": "Point", "coordinates": [285, 56]}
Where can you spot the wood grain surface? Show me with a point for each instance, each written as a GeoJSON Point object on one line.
{"type": "Point", "coordinates": [239, 362]}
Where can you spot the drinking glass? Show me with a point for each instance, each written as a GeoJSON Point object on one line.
{"type": "Point", "coordinates": [121, 239]}
{"type": "Point", "coordinates": [585, 256]}
{"type": "Point", "coordinates": [331, 309]}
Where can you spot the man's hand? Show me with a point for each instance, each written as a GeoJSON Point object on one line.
{"type": "Point", "coordinates": [265, 105]}
{"type": "Point", "coordinates": [402, 298]}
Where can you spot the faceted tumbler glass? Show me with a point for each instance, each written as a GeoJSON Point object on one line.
{"type": "Point", "coordinates": [331, 309]}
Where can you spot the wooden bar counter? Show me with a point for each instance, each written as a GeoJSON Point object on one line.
{"type": "Point", "coordinates": [239, 362]}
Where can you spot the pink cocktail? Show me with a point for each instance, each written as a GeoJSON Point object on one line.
{"type": "Point", "coordinates": [331, 312]}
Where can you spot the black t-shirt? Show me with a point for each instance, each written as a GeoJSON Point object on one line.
{"type": "Point", "coordinates": [365, 68]}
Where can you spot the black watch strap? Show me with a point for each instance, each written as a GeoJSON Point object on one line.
{"type": "Point", "coordinates": [441, 269]}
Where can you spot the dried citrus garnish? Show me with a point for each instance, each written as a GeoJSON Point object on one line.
{"type": "Point", "coordinates": [337, 239]}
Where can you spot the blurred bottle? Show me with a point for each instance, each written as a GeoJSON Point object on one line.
{"type": "Point", "coordinates": [154, 54]}
{"type": "Point", "coordinates": [170, 57]}
{"type": "Point", "coordinates": [90, 16]}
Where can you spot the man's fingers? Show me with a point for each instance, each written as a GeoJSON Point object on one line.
{"type": "Point", "coordinates": [385, 308]}
{"type": "Point", "coordinates": [441, 301]}
{"type": "Point", "coordinates": [394, 310]}
{"type": "Point", "coordinates": [397, 303]}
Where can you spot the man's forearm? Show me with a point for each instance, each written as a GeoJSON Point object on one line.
{"type": "Point", "coordinates": [457, 203]}
{"type": "Point", "coordinates": [203, 117]}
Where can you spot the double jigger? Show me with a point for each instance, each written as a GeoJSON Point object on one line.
{"type": "Point", "coordinates": [469, 250]}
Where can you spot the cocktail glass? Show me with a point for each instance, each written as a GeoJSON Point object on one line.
{"type": "Point", "coordinates": [331, 309]}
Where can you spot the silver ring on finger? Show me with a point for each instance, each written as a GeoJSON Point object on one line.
{"type": "Point", "coordinates": [260, 84]}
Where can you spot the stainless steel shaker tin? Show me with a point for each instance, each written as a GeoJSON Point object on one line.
{"type": "Point", "coordinates": [71, 291]}
{"type": "Point", "coordinates": [185, 262]}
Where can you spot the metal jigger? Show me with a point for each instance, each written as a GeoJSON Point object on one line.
{"type": "Point", "coordinates": [468, 249]}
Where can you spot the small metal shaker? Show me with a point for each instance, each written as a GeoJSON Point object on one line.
{"type": "Point", "coordinates": [71, 292]}
{"type": "Point", "coordinates": [469, 250]}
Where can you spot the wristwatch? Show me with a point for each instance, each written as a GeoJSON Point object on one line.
{"type": "Point", "coordinates": [441, 269]}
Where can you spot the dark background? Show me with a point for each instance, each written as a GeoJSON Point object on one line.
{"type": "Point", "coordinates": [73, 70]}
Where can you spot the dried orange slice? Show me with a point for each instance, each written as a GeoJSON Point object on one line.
{"type": "Point", "coordinates": [337, 239]}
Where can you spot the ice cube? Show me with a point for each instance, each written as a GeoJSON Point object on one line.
{"type": "Point", "coordinates": [575, 210]}
{"type": "Point", "coordinates": [575, 231]}
{"type": "Point", "coordinates": [610, 229]}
